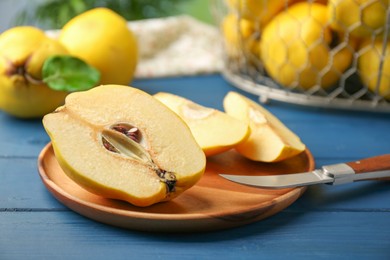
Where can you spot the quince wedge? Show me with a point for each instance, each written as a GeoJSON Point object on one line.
{"type": "Point", "coordinates": [270, 140]}
{"type": "Point", "coordinates": [214, 130]}
{"type": "Point", "coordinates": [23, 51]}
{"type": "Point", "coordinates": [121, 143]}
{"type": "Point", "coordinates": [101, 38]}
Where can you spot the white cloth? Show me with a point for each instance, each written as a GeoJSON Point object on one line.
{"type": "Point", "coordinates": [174, 46]}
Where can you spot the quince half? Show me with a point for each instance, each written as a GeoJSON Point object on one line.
{"type": "Point", "coordinates": [214, 130]}
{"type": "Point", "coordinates": [270, 140]}
{"type": "Point", "coordinates": [121, 143]}
{"type": "Point", "coordinates": [23, 51]}
{"type": "Point", "coordinates": [374, 66]}
{"type": "Point", "coordinates": [101, 38]}
{"type": "Point", "coordinates": [299, 49]}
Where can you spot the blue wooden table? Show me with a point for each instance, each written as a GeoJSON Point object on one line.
{"type": "Point", "coordinates": [350, 221]}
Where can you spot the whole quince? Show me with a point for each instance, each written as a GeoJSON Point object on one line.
{"type": "Point", "coordinates": [261, 11]}
{"type": "Point", "coordinates": [374, 66]}
{"type": "Point", "coordinates": [23, 50]}
{"type": "Point", "coordinates": [361, 18]}
{"type": "Point", "coordinates": [240, 35]}
{"type": "Point", "coordinates": [299, 49]}
{"type": "Point", "coordinates": [102, 39]}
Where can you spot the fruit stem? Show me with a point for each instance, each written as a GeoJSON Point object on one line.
{"type": "Point", "coordinates": [22, 71]}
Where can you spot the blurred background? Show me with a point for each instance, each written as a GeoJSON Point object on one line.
{"type": "Point", "coordinates": [53, 14]}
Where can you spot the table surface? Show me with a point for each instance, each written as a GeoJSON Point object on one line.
{"type": "Point", "coordinates": [346, 221]}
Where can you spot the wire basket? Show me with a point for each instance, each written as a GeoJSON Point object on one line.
{"type": "Point", "coordinates": [309, 52]}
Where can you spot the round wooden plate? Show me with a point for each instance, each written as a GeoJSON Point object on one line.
{"type": "Point", "coordinates": [213, 203]}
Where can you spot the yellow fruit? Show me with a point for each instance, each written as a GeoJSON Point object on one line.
{"type": "Point", "coordinates": [215, 131]}
{"type": "Point", "coordinates": [23, 51]}
{"type": "Point", "coordinates": [240, 36]}
{"type": "Point", "coordinates": [361, 18]}
{"type": "Point", "coordinates": [101, 38]}
{"type": "Point", "coordinates": [299, 49]}
{"type": "Point", "coordinates": [119, 142]}
{"type": "Point", "coordinates": [270, 140]}
{"type": "Point", "coordinates": [370, 68]}
{"type": "Point", "coordinates": [261, 11]}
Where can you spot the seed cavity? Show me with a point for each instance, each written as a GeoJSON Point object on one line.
{"type": "Point", "coordinates": [124, 139]}
{"type": "Point", "coordinates": [118, 142]}
{"type": "Point", "coordinates": [128, 130]}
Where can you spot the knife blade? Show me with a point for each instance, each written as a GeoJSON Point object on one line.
{"type": "Point", "coordinates": [377, 167]}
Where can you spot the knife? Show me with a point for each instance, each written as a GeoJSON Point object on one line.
{"type": "Point", "coordinates": [377, 167]}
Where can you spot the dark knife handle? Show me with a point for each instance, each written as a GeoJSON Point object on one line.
{"type": "Point", "coordinates": [377, 163]}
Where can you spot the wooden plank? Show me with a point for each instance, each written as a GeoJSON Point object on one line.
{"type": "Point", "coordinates": [289, 235]}
{"type": "Point", "coordinates": [22, 189]}
{"type": "Point", "coordinates": [21, 138]}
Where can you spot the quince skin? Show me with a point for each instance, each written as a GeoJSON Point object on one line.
{"type": "Point", "coordinates": [361, 18]}
{"type": "Point", "coordinates": [299, 49]}
{"type": "Point", "coordinates": [23, 50]}
{"type": "Point", "coordinates": [101, 38]}
{"type": "Point", "coordinates": [374, 66]}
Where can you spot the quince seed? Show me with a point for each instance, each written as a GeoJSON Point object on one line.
{"type": "Point", "coordinates": [123, 139]}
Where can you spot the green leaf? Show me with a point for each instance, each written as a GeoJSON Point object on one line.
{"type": "Point", "coordinates": [68, 73]}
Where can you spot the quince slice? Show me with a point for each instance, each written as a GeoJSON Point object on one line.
{"type": "Point", "coordinates": [270, 140]}
{"type": "Point", "coordinates": [214, 130]}
{"type": "Point", "coordinates": [121, 143]}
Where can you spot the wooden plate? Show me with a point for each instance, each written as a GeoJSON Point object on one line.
{"type": "Point", "coordinates": [213, 203]}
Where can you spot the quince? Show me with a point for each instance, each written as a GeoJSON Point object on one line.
{"type": "Point", "coordinates": [299, 48]}
{"type": "Point", "coordinates": [214, 130]}
{"type": "Point", "coordinates": [361, 18]}
{"type": "Point", "coordinates": [261, 11]}
{"type": "Point", "coordinates": [374, 75]}
{"type": "Point", "coordinates": [23, 50]}
{"type": "Point", "coordinates": [102, 39]}
{"type": "Point", "coordinates": [121, 143]}
{"type": "Point", "coordinates": [240, 34]}
{"type": "Point", "coordinates": [270, 140]}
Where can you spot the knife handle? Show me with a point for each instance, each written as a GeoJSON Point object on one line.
{"type": "Point", "coordinates": [377, 163]}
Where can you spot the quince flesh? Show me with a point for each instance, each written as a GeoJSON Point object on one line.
{"type": "Point", "coordinates": [215, 131]}
{"type": "Point", "coordinates": [121, 143]}
{"type": "Point", "coordinates": [299, 49]}
{"type": "Point", "coordinates": [23, 50]}
{"type": "Point", "coordinates": [270, 140]}
{"type": "Point", "coordinates": [101, 38]}
{"type": "Point", "coordinates": [370, 70]}
{"type": "Point", "coordinates": [361, 18]}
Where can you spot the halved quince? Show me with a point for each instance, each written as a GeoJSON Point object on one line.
{"type": "Point", "coordinates": [270, 140]}
{"type": "Point", "coordinates": [214, 130]}
{"type": "Point", "coordinates": [121, 143]}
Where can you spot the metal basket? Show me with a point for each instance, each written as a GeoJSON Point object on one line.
{"type": "Point", "coordinates": [246, 70]}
